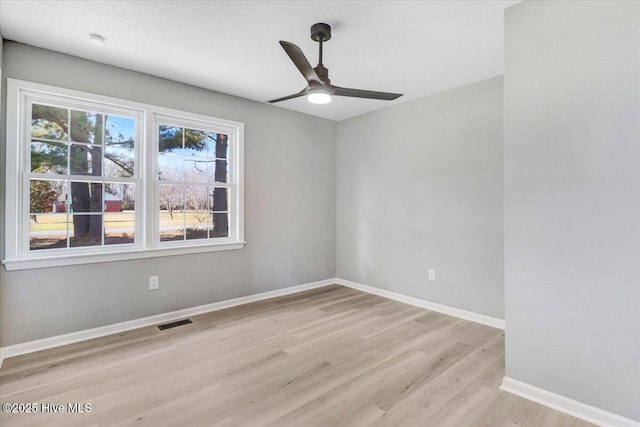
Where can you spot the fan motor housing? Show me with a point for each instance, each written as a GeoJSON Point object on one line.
{"type": "Point", "coordinates": [321, 32]}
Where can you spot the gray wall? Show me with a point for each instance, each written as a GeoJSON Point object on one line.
{"type": "Point", "coordinates": [572, 200]}
{"type": "Point", "coordinates": [289, 212]}
{"type": "Point", "coordinates": [419, 187]}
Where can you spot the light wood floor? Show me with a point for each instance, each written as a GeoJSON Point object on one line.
{"type": "Point", "coordinates": [332, 356]}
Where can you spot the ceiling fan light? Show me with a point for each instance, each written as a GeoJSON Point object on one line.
{"type": "Point", "coordinates": [319, 97]}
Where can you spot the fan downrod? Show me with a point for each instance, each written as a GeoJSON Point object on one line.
{"type": "Point", "coordinates": [320, 32]}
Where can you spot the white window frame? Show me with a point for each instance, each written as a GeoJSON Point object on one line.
{"type": "Point", "coordinates": [17, 255]}
{"type": "Point", "coordinates": [233, 173]}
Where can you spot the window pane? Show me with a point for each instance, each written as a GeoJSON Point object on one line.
{"type": "Point", "coordinates": [219, 225]}
{"type": "Point", "coordinates": [195, 169]}
{"type": "Point", "coordinates": [86, 127]}
{"type": "Point", "coordinates": [221, 147]}
{"type": "Point", "coordinates": [171, 198]}
{"type": "Point", "coordinates": [85, 230]}
{"type": "Point", "coordinates": [48, 231]}
{"type": "Point", "coordinates": [195, 143]}
{"type": "Point", "coordinates": [86, 197]}
{"type": "Point", "coordinates": [49, 157]}
{"type": "Point", "coordinates": [171, 225]}
{"type": "Point", "coordinates": [119, 228]}
{"type": "Point", "coordinates": [197, 230]}
{"type": "Point", "coordinates": [218, 171]}
{"type": "Point", "coordinates": [118, 161]}
{"type": "Point", "coordinates": [220, 200]}
{"type": "Point", "coordinates": [222, 151]}
{"type": "Point", "coordinates": [170, 139]}
{"type": "Point", "coordinates": [170, 167]}
{"type": "Point", "coordinates": [196, 202]}
{"type": "Point", "coordinates": [86, 160]}
{"type": "Point", "coordinates": [47, 217]}
{"type": "Point", "coordinates": [172, 217]}
{"type": "Point", "coordinates": [120, 131]}
{"type": "Point", "coordinates": [49, 122]}
{"type": "Point", "coordinates": [119, 152]}
{"type": "Point", "coordinates": [43, 196]}
{"type": "Point", "coordinates": [209, 143]}
{"type": "Point", "coordinates": [119, 197]}
{"type": "Point", "coordinates": [197, 198]}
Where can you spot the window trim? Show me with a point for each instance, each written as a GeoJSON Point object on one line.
{"type": "Point", "coordinates": [146, 246]}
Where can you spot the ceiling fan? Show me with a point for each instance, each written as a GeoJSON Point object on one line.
{"type": "Point", "coordinates": [319, 89]}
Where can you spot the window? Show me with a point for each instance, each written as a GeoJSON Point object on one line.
{"type": "Point", "coordinates": [193, 173]}
{"type": "Point", "coordinates": [100, 179]}
{"type": "Point", "coordinates": [81, 175]}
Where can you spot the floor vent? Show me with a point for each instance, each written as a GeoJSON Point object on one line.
{"type": "Point", "coordinates": [174, 324]}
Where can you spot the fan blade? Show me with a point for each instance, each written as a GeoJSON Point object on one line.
{"type": "Point", "coordinates": [300, 61]}
{"type": "Point", "coordinates": [370, 94]}
{"type": "Point", "coordinates": [284, 98]}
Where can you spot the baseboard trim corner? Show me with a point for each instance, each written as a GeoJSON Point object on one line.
{"type": "Point", "coordinates": [566, 405]}
{"type": "Point", "coordinates": [494, 322]}
{"type": "Point", "coordinates": [101, 331]}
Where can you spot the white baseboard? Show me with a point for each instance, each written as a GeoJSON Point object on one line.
{"type": "Point", "coordinates": [555, 401]}
{"type": "Point", "coordinates": [564, 404]}
{"type": "Point", "coordinates": [451, 311]}
{"type": "Point", "coordinates": [74, 337]}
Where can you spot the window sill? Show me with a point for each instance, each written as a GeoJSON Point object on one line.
{"type": "Point", "coordinates": [60, 261]}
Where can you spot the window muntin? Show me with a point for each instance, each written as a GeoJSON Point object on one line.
{"type": "Point", "coordinates": [78, 140]}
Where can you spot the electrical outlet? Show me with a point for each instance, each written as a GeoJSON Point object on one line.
{"type": "Point", "coordinates": [432, 274]}
{"type": "Point", "coordinates": [154, 283]}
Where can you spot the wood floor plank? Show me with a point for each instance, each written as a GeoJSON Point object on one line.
{"type": "Point", "coordinates": [434, 395]}
{"type": "Point", "coordinates": [331, 356]}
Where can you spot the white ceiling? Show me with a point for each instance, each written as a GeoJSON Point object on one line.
{"type": "Point", "coordinates": [414, 47]}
